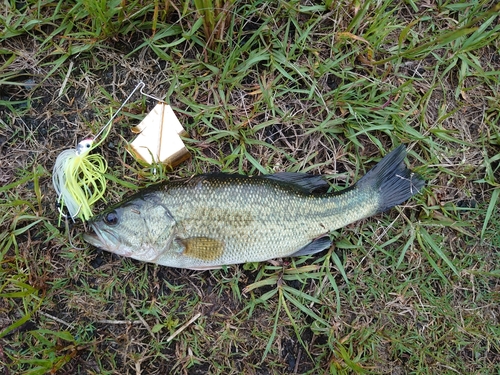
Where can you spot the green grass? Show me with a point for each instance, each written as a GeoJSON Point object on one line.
{"type": "Point", "coordinates": [260, 87]}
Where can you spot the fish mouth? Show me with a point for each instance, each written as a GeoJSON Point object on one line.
{"type": "Point", "coordinates": [93, 239]}
{"type": "Point", "coordinates": [98, 240]}
{"type": "Point", "coordinates": [105, 240]}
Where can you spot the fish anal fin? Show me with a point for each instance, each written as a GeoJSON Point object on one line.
{"type": "Point", "coordinates": [314, 247]}
{"type": "Point", "coordinates": [203, 248]}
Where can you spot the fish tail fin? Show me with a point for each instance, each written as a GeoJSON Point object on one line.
{"type": "Point", "coordinates": [392, 180]}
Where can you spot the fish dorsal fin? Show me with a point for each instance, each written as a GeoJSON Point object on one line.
{"type": "Point", "coordinates": [304, 182]}
{"type": "Point", "coordinates": [203, 248]}
{"type": "Point", "coordinates": [314, 247]}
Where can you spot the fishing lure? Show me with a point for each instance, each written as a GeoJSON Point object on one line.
{"type": "Point", "coordinates": [79, 179]}
{"type": "Point", "coordinates": [79, 176]}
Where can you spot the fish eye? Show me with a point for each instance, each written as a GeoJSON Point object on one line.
{"type": "Point", "coordinates": [111, 218]}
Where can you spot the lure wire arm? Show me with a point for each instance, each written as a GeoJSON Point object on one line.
{"type": "Point", "coordinates": [149, 95]}
{"type": "Point", "coordinates": [140, 85]}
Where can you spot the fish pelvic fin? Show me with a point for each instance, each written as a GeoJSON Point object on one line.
{"type": "Point", "coordinates": [392, 180]}
{"type": "Point", "coordinates": [204, 268]}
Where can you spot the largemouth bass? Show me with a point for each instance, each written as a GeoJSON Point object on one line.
{"type": "Point", "coordinates": [212, 220]}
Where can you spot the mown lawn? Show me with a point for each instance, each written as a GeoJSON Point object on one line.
{"type": "Point", "coordinates": [323, 87]}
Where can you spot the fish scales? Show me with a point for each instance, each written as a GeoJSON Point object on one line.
{"type": "Point", "coordinates": [260, 219]}
{"type": "Point", "coordinates": [213, 220]}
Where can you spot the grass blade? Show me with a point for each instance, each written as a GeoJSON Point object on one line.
{"type": "Point", "coordinates": [492, 207]}
{"type": "Point", "coordinates": [422, 235]}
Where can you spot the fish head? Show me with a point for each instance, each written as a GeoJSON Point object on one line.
{"type": "Point", "coordinates": [141, 228]}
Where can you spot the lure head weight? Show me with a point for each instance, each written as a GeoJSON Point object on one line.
{"type": "Point", "coordinates": [84, 146]}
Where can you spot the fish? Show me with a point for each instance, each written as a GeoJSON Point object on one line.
{"type": "Point", "coordinates": [214, 220]}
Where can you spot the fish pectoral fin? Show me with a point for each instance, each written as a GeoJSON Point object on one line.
{"type": "Point", "coordinates": [314, 247]}
{"type": "Point", "coordinates": [203, 248]}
